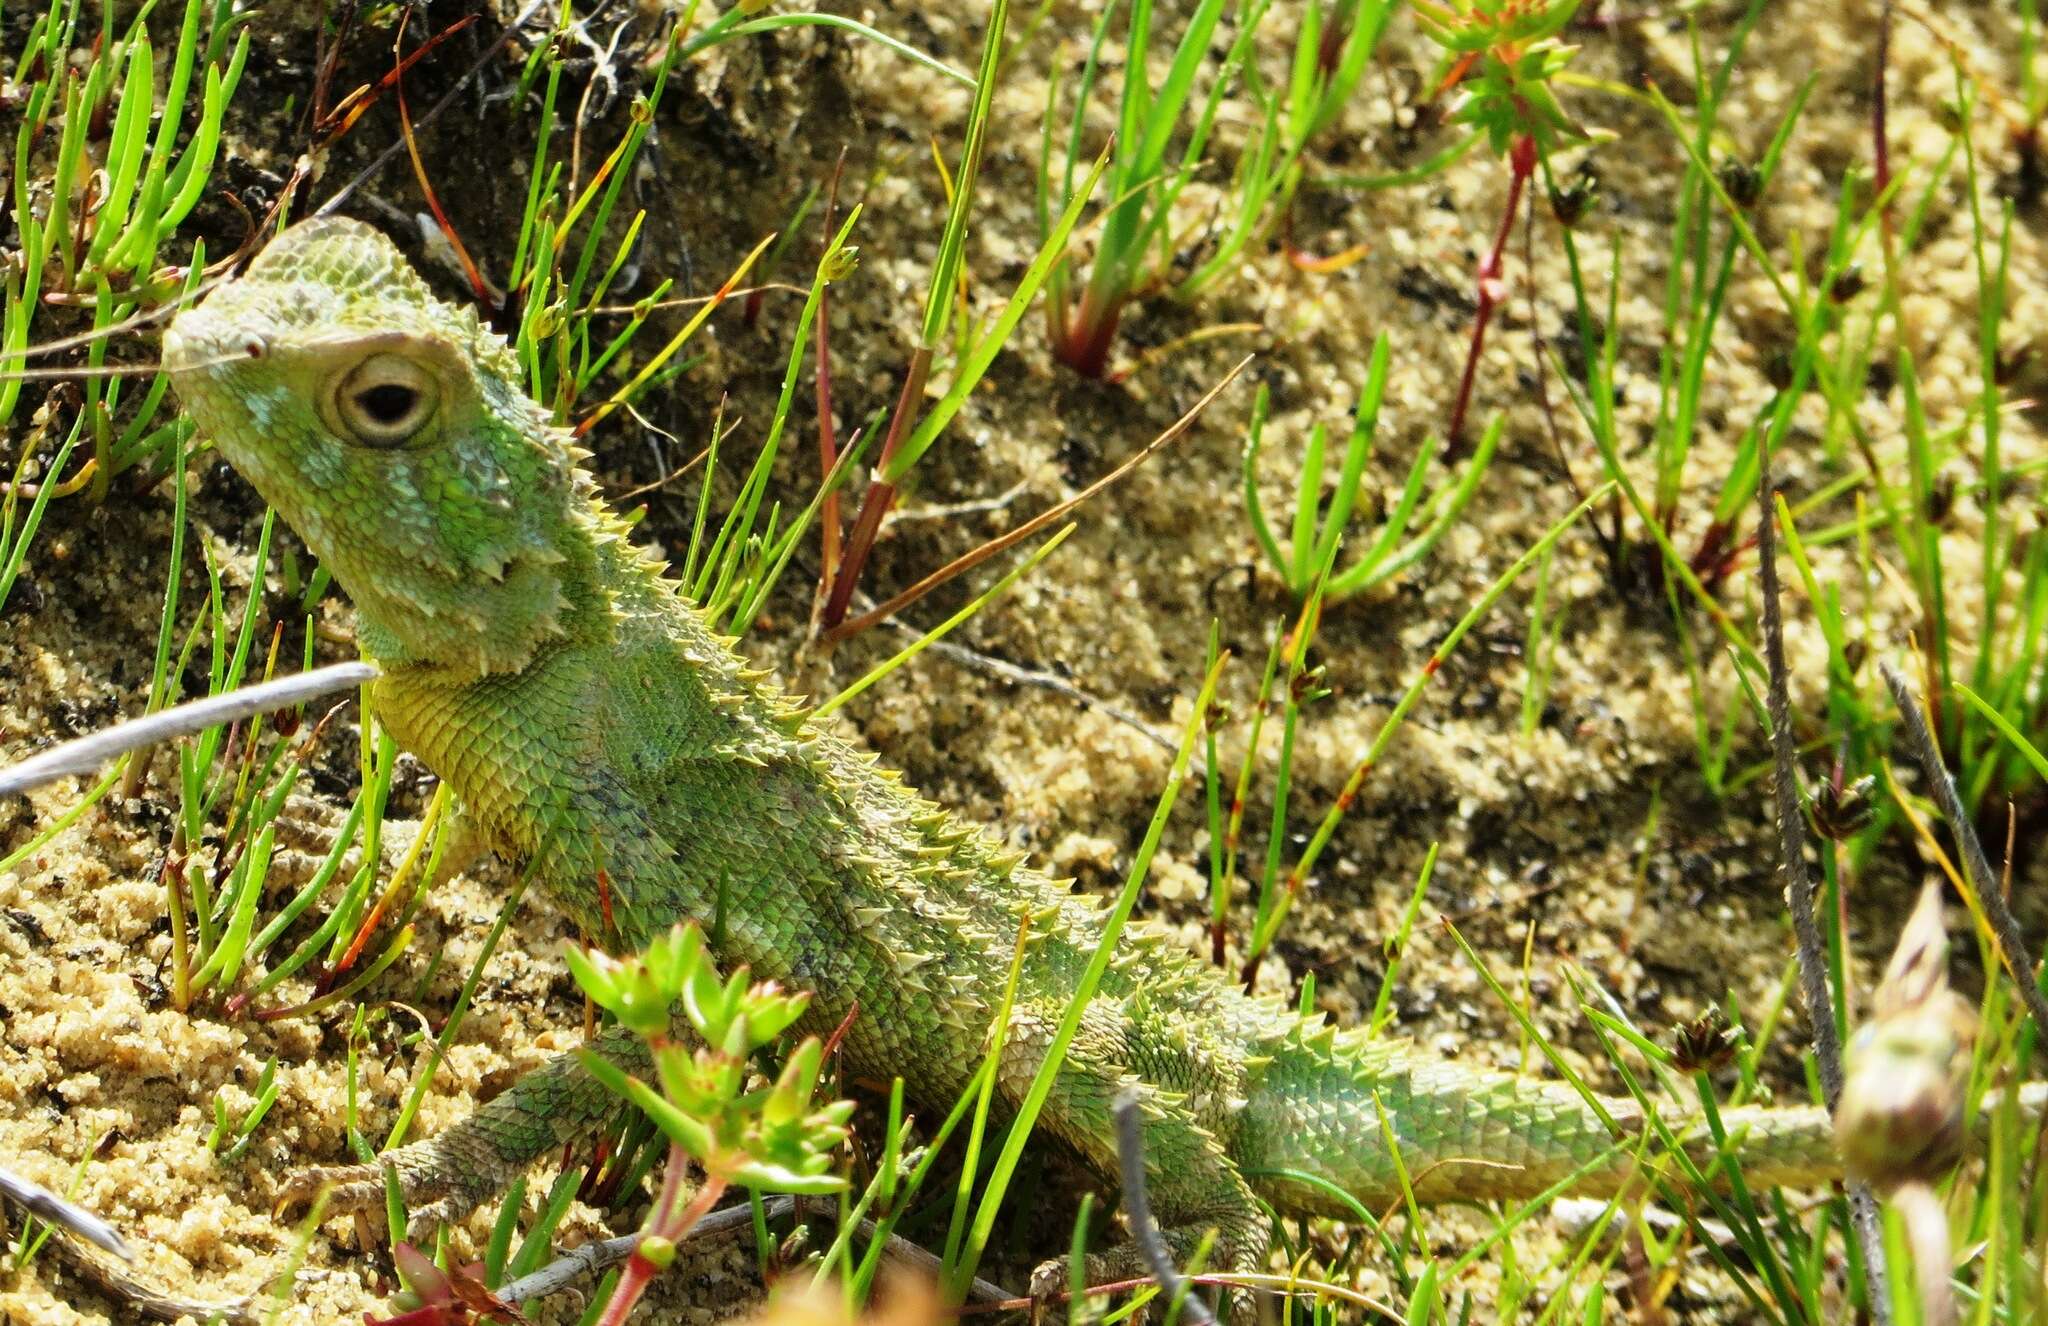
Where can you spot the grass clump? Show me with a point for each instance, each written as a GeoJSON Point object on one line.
{"type": "Point", "coordinates": [1136, 243]}
{"type": "Point", "coordinates": [1164, 141]}
{"type": "Point", "coordinates": [913, 427]}
{"type": "Point", "coordinates": [1333, 47]}
{"type": "Point", "coordinates": [97, 191]}
{"type": "Point", "coordinates": [1410, 529]}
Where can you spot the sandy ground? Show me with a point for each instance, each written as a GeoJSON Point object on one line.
{"type": "Point", "coordinates": [1548, 842]}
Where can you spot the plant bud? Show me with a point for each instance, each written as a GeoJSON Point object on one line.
{"type": "Point", "coordinates": [1844, 810]}
{"type": "Point", "coordinates": [657, 1251]}
{"type": "Point", "coordinates": [1900, 1117]}
{"type": "Point", "coordinates": [1744, 183]}
{"type": "Point", "coordinates": [1706, 1043]}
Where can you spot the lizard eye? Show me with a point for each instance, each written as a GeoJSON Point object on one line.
{"type": "Point", "coordinates": [384, 400]}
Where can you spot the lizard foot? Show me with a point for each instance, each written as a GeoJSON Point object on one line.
{"type": "Point", "coordinates": [449, 1175]}
{"type": "Point", "coordinates": [438, 1183]}
{"type": "Point", "coordinates": [1051, 1281]}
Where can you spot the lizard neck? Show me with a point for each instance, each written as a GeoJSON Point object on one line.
{"type": "Point", "coordinates": [553, 591]}
{"type": "Point", "coordinates": [519, 743]}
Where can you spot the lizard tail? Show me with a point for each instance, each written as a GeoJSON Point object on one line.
{"type": "Point", "coordinates": [1339, 1123]}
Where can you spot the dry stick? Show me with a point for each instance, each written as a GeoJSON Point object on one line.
{"type": "Point", "coordinates": [855, 625]}
{"type": "Point", "coordinates": [89, 752]}
{"type": "Point", "coordinates": [66, 374]}
{"type": "Point", "coordinates": [1813, 980]}
{"type": "Point", "coordinates": [51, 1209]}
{"type": "Point", "coordinates": [598, 1257]}
{"type": "Point", "coordinates": [692, 301]}
{"type": "Point", "coordinates": [146, 1302]}
{"type": "Point", "coordinates": [133, 322]}
{"type": "Point", "coordinates": [2012, 945]}
{"type": "Point", "coordinates": [1799, 886]}
{"type": "Point", "coordinates": [383, 159]}
{"type": "Point", "coordinates": [1016, 674]}
{"type": "Point", "coordinates": [1130, 1156]}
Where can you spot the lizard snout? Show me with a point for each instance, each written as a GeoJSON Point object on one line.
{"type": "Point", "coordinates": [193, 341]}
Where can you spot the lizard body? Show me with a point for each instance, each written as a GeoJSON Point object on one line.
{"type": "Point", "coordinates": [588, 719]}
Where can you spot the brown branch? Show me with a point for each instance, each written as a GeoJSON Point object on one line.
{"type": "Point", "coordinates": [2005, 931]}
{"type": "Point", "coordinates": [1799, 884]}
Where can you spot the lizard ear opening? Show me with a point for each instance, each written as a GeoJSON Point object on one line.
{"type": "Point", "coordinates": [382, 401]}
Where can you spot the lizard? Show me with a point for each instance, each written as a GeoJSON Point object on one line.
{"type": "Point", "coordinates": [591, 723]}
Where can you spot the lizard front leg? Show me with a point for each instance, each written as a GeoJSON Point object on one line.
{"type": "Point", "coordinates": [448, 1175]}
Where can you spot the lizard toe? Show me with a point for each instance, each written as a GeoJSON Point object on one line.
{"type": "Point", "coordinates": [1052, 1281]}
{"type": "Point", "coordinates": [348, 1188]}
{"type": "Point", "coordinates": [447, 1210]}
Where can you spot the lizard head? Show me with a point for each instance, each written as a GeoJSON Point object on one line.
{"type": "Point", "coordinates": [388, 428]}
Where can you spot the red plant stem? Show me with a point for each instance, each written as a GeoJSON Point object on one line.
{"type": "Point", "coordinates": [1085, 346]}
{"type": "Point", "coordinates": [881, 493]}
{"type": "Point", "coordinates": [1881, 141]}
{"type": "Point", "coordinates": [668, 1224]}
{"type": "Point", "coordinates": [875, 504]}
{"type": "Point", "coordinates": [1522, 163]}
{"type": "Point", "coordinates": [330, 128]}
{"type": "Point", "coordinates": [828, 442]}
{"type": "Point", "coordinates": [828, 450]}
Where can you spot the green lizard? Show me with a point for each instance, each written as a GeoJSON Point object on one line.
{"type": "Point", "coordinates": [588, 720]}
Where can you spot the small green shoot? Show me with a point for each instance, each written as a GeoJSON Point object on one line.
{"type": "Point", "coordinates": [1411, 529]}
{"type": "Point", "coordinates": [1539, 650]}
{"type": "Point", "coordinates": [1279, 888]}
{"type": "Point", "coordinates": [238, 1134]}
{"type": "Point", "coordinates": [960, 1269]}
{"type": "Point", "coordinates": [1332, 47]}
{"type": "Point", "coordinates": [35, 1233]}
{"type": "Point", "coordinates": [1135, 249]}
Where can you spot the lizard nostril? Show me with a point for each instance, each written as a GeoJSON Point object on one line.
{"type": "Point", "coordinates": [254, 347]}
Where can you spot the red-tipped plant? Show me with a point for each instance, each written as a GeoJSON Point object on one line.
{"type": "Point", "coordinates": [780, 1137]}
{"type": "Point", "coordinates": [1136, 246]}
{"type": "Point", "coordinates": [1500, 56]}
